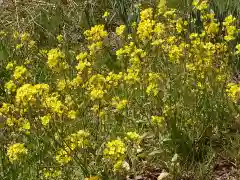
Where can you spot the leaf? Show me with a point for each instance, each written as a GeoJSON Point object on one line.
{"type": "Point", "coordinates": [175, 158]}
{"type": "Point", "coordinates": [153, 153]}
{"type": "Point", "coordinates": [162, 4]}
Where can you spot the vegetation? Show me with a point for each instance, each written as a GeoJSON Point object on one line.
{"type": "Point", "coordinates": [119, 89]}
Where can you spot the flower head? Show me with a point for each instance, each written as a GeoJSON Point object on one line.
{"type": "Point", "coordinates": [15, 151]}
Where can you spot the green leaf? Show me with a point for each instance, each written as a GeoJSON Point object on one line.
{"type": "Point", "coordinates": [156, 152]}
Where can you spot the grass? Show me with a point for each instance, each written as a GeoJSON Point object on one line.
{"type": "Point", "coordinates": [82, 100]}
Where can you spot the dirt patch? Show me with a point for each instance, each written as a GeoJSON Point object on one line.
{"type": "Point", "coordinates": [225, 169]}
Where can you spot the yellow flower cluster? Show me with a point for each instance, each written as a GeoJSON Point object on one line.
{"type": "Point", "coordinates": [115, 150]}
{"type": "Point", "coordinates": [24, 40]}
{"type": "Point", "coordinates": [119, 104]}
{"type": "Point", "coordinates": [51, 173]}
{"type": "Point", "coordinates": [54, 57]}
{"type": "Point", "coordinates": [200, 4]}
{"type": "Point", "coordinates": [113, 79]}
{"type": "Point", "coordinates": [133, 137]}
{"type": "Point", "coordinates": [146, 25]}
{"type": "Point", "coordinates": [60, 38]}
{"type": "Point", "coordinates": [158, 120]}
{"type": "Point", "coordinates": [110, 87]}
{"type": "Point", "coordinates": [237, 49]}
{"type": "Point", "coordinates": [10, 86]}
{"type": "Point", "coordinates": [231, 29]}
{"type": "Point", "coordinates": [211, 26]}
{"type": "Point", "coordinates": [63, 157]}
{"type": "Point", "coordinates": [16, 151]}
{"type": "Point", "coordinates": [83, 62]}
{"type": "Point", "coordinates": [120, 30]}
{"type": "Point", "coordinates": [153, 87]}
{"type": "Point", "coordinates": [28, 94]}
{"type": "Point", "coordinates": [19, 72]}
{"type": "Point", "coordinates": [53, 104]}
{"type": "Point", "coordinates": [3, 33]}
{"type": "Point", "coordinates": [73, 141]}
{"type": "Point", "coordinates": [77, 140]}
{"type": "Point", "coordinates": [96, 33]}
{"type": "Point", "coordinates": [45, 119]}
{"type": "Point", "coordinates": [233, 91]}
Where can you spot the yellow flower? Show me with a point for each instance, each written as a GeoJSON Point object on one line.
{"type": "Point", "coordinates": [96, 33]}
{"type": "Point", "coordinates": [233, 91]}
{"type": "Point", "coordinates": [19, 46]}
{"type": "Point", "coordinates": [11, 121]}
{"type": "Point", "coordinates": [63, 157]}
{"type": "Point", "coordinates": [118, 165]}
{"type": "Point", "coordinates": [15, 151]}
{"type": "Point", "coordinates": [133, 137]}
{"type": "Point", "coordinates": [229, 20]}
{"type": "Point", "coordinates": [180, 25]}
{"type": "Point", "coordinates": [106, 14]}
{"type": "Point", "coordinates": [72, 114]}
{"type": "Point", "coordinates": [60, 38]}
{"type": "Point", "coordinates": [115, 150]}
{"type": "Point", "coordinates": [145, 29]}
{"type": "Point", "coordinates": [10, 86]}
{"type": "Point", "coordinates": [54, 104]}
{"type": "Point", "coordinates": [170, 14]}
{"type": "Point", "coordinates": [31, 44]}
{"type": "Point", "coordinates": [15, 35]}
{"type": "Point", "coordinates": [50, 173]}
{"type": "Point", "coordinates": [19, 72]}
{"type": "Point", "coordinates": [200, 4]}
{"type": "Point", "coordinates": [191, 67]}
{"type": "Point", "coordinates": [212, 28]}
{"type": "Point", "coordinates": [231, 29]}
{"type": "Point", "coordinates": [54, 55]}
{"type": "Point", "coordinates": [77, 140]}
{"type": "Point", "coordinates": [159, 29]}
{"type": "Point", "coordinates": [82, 65]}
{"type": "Point", "coordinates": [153, 86]}
{"type": "Point", "coordinates": [24, 124]}
{"type": "Point", "coordinates": [82, 56]}
{"type": "Point", "coordinates": [96, 81]}
{"type": "Point", "coordinates": [102, 114]}
{"type": "Point", "coordinates": [121, 165]}
{"type": "Point", "coordinates": [10, 66]}
{"type": "Point", "coordinates": [25, 37]}
{"type": "Point", "coordinates": [28, 93]}
{"type": "Point", "coordinates": [43, 51]}
{"type": "Point", "coordinates": [126, 50]}
{"type": "Point", "coordinates": [161, 6]}
{"type": "Point", "coordinates": [146, 14]}
{"type": "Point", "coordinates": [95, 47]}
{"type": "Point", "coordinates": [68, 100]}
{"type": "Point", "coordinates": [158, 120]}
{"type": "Point", "coordinates": [45, 119]}
{"type": "Point", "coordinates": [76, 82]}
{"type": "Point", "coordinates": [6, 108]}
{"type": "Point", "coordinates": [132, 76]}
{"type": "Point", "coordinates": [96, 94]}
{"type": "Point", "coordinates": [120, 30]}
{"type": "Point", "coordinates": [61, 84]}
{"type": "Point", "coordinates": [3, 33]}
{"type": "Point", "coordinates": [238, 49]}
{"type": "Point", "coordinates": [113, 79]}
{"type": "Point", "coordinates": [119, 104]}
